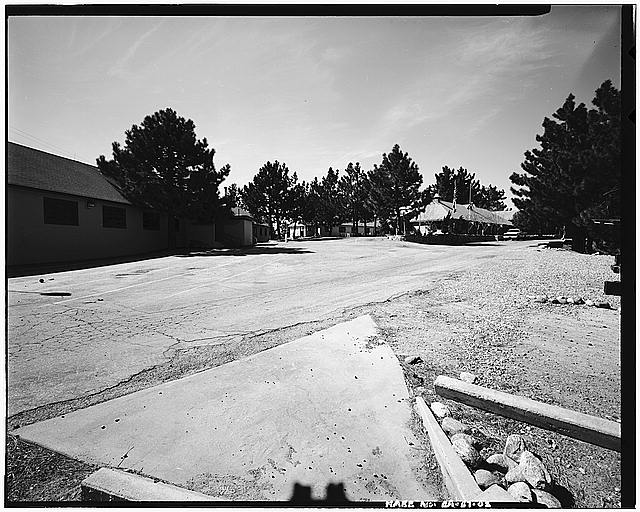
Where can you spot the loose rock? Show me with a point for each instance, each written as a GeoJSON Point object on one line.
{"type": "Point", "coordinates": [570, 300]}
{"type": "Point", "coordinates": [589, 302]}
{"type": "Point", "coordinates": [473, 441]}
{"type": "Point", "coordinates": [578, 301]}
{"type": "Point", "coordinates": [440, 410]}
{"type": "Point", "coordinates": [452, 426]}
{"type": "Point", "coordinates": [501, 461]}
{"type": "Point", "coordinates": [468, 377]}
{"type": "Point", "coordinates": [412, 359]}
{"type": "Point", "coordinates": [514, 446]}
{"type": "Point", "coordinates": [554, 301]}
{"type": "Point", "coordinates": [419, 390]}
{"type": "Point", "coordinates": [541, 298]}
{"type": "Point", "coordinates": [530, 470]}
{"type": "Point", "coordinates": [561, 300]}
{"type": "Point", "coordinates": [467, 453]}
{"type": "Point", "coordinates": [545, 498]}
{"type": "Point", "coordinates": [486, 478]}
{"type": "Point", "coordinates": [520, 492]}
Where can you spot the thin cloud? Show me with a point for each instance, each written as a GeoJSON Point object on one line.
{"type": "Point", "coordinates": [119, 68]}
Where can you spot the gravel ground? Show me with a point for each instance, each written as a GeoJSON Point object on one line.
{"type": "Point", "coordinates": [479, 321]}
{"type": "Point", "coordinates": [566, 355]}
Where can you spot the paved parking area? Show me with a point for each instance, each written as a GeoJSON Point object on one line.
{"type": "Point", "coordinates": [82, 331]}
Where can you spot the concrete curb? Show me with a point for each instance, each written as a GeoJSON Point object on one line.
{"type": "Point", "coordinates": [457, 478]}
{"type": "Point", "coordinates": [108, 484]}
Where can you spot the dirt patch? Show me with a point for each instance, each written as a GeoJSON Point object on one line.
{"type": "Point", "coordinates": [566, 355]}
{"type": "Point", "coordinates": [34, 473]}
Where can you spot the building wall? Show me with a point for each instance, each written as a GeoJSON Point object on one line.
{"type": "Point", "coordinates": [235, 231]}
{"type": "Point", "coordinates": [31, 241]}
{"type": "Point", "coordinates": [201, 235]}
{"type": "Point", "coordinates": [261, 232]}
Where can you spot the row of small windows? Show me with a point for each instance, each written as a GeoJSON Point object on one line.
{"type": "Point", "coordinates": [65, 213]}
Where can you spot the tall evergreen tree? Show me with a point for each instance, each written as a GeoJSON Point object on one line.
{"type": "Point", "coordinates": [574, 174]}
{"type": "Point", "coordinates": [269, 195]}
{"type": "Point", "coordinates": [490, 198]}
{"type": "Point", "coordinates": [163, 165]}
{"type": "Point", "coordinates": [352, 191]}
{"type": "Point", "coordinates": [232, 196]}
{"type": "Point", "coordinates": [331, 212]}
{"type": "Point", "coordinates": [396, 184]}
{"type": "Point", "coordinates": [460, 180]}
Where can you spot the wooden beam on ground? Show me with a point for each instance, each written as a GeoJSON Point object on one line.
{"type": "Point", "coordinates": [577, 425]}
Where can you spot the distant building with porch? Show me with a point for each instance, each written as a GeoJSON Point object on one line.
{"type": "Point", "coordinates": [346, 229]}
{"type": "Point", "coordinates": [446, 217]}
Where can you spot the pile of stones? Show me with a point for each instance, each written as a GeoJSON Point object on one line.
{"type": "Point", "coordinates": [516, 469]}
{"type": "Point", "coordinates": [561, 299]}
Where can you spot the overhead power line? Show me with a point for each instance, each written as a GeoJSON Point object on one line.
{"type": "Point", "coordinates": [26, 135]}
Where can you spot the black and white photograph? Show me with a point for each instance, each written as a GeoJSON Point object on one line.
{"type": "Point", "coordinates": [320, 256]}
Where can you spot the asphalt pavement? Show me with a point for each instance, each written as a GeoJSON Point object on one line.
{"type": "Point", "coordinates": [75, 333]}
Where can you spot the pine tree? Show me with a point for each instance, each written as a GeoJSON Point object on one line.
{"type": "Point", "coordinates": [574, 174]}
{"type": "Point", "coordinates": [352, 190]}
{"type": "Point", "coordinates": [163, 165]}
{"type": "Point", "coordinates": [269, 195]}
{"type": "Point", "coordinates": [490, 198]}
{"type": "Point", "coordinates": [460, 180]}
{"type": "Point", "coordinates": [396, 184]}
{"type": "Point", "coordinates": [331, 209]}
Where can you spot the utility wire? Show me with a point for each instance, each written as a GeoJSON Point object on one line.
{"type": "Point", "coordinates": [22, 133]}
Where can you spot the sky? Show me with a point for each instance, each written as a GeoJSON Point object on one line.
{"type": "Point", "coordinates": [312, 92]}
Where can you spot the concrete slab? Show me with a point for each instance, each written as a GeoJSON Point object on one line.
{"type": "Point", "coordinates": [331, 407]}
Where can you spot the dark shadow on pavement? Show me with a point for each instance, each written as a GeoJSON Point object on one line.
{"type": "Point", "coordinates": [51, 268]}
{"type": "Point", "coordinates": [258, 249]}
{"type": "Point", "coordinates": [483, 244]}
{"type": "Point", "coordinates": [335, 495]}
{"type": "Point", "coordinates": [317, 239]}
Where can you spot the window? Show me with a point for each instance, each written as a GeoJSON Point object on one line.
{"type": "Point", "coordinates": [151, 220]}
{"type": "Point", "coordinates": [59, 211]}
{"type": "Point", "coordinates": [113, 217]}
{"type": "Point", "coordinates": [342, 229]}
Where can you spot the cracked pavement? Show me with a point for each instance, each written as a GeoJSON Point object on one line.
{"type": "Point", "coordinates": [98, 327]}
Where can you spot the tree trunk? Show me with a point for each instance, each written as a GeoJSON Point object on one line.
{"type": "Point", "coordinates": [397, 221]}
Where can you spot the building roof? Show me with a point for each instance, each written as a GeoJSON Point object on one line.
{"type": "Point", "coordinates": [439, 210]}
{"type": "Point", "coordinates": [506, 214]}
{"type": "Point", "coordinates": [236, 211]}
{"type": "Point", "coordinates": [28, 167]}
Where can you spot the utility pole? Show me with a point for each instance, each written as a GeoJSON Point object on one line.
{"type": "Point", "coordinates": [455, 189]}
